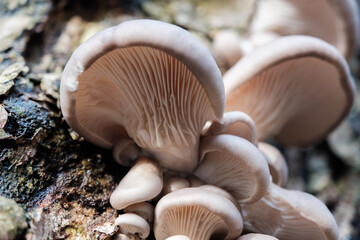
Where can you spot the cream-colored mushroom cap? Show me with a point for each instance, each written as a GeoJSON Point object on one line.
{"type": "Point", "coordinates": [296, 89]}
{"type": "Point", "coordinates": [289, 214]}
{"type": "Point", "coordinates": [256, 236]}
{"type": "Point", "coordinates": [143, 182]}
{"type": "Point", "coordinates": [130, 223]}
{"type": "Point", "coordinates": [147, 80]}
{"type": "Point", "coordinates": [234, 164]}
{"type": "Point", "coordinates": [143, 209]}
{"type": "Point", "coordinates": [335, 21]}
{"type": "Point", "coordinates": [197, 214]}
{"type": "Point", "coordinates": [277, 165]}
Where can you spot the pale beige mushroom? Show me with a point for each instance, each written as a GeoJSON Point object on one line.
{"type": "Point", "coordinates": [234, 123]}
{"type": "Point", "coordinates": [143, 209]}
{"type": "Point", "coordinates": [178, 237]}
{"type": "Point", "coordinates": [130, 223]}
{"type": "Point", "coordinates": [146, 80]}
{"type": "Point", "coordinates": [234, 164]}
{"type": "Point", "coordinates": [197, 214]}
{"type": "Point", "coordinates": [289, 214]}
{"type": "Point", "coordinates": [143, 182]}
{"type": "Point", "coordinates": [173, 183]}
{"type": "Point", "coordinates": [296, 89]}
{"type": "Point", "coordinates": [277, 165]}
{"type": "Point", "coordinates": [256, 236]}
{"type": "Point", "coordinates": [334, 21]}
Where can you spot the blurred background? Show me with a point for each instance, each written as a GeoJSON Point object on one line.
{"type": "Point", "coordinates": [60, 184]}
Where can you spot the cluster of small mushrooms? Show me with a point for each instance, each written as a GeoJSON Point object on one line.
{"type": "Point", "coordinates": [193, 138]}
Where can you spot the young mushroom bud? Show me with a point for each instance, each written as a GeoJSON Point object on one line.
{"type": "Point", "coordinates": [234, 164]}
{"type": "Point", "coordinates": [146, 80]}
{"type": "Point", "coordinates": [197, 214]}
{"type": "Point", "coordinates": [289, 214]}
{"type": "Point", "coordinates": [143, 182]}
{"type": "Point", "coordinates": [130, 223]}
{"type": "Point", "coordinates": [296, 89]}
{"type": "Point", "coordinates": [173, 183]}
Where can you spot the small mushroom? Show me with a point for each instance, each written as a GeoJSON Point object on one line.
{"type": "Point", "coordinates": [173, 183]}
{"type": "Point", "coordinates": [234, 123]}
{"type": "Point", "coordinates": [143, 209]}
{"type": "Point", "coordinates": [130, 223]}
{"type": "Point", "coordinates": [256, 236]}
{"type": "Point", "coordinates": [234, 164]}
{"type": "Point", "coordinates": [125, 151]}
{"type": "Point", "coordinates": [296, 89]}
{"type": "Point", "coordinates": [197, 214]}
{"type": "Point", "coordinates": [143, 182]}
{"type": "Point", "coordinates": [277, 164]}
{"type": "Point", "coordinates": [178, 237]}
{"type": "Point", "coordinates": [289, 214]}
{"type": "Point", "coordinates": [146, 80]}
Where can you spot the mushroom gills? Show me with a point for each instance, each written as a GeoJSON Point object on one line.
{"type": "Point", "coordinates": [157, 99]}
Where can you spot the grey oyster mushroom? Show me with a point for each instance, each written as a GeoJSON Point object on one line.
{"type": "Point", "coordinates": [277, 165]}
{"type": "Point", "coordinates": [256, 236]}
{"type": "Point", "coordinates": [334, 21]}
{"type": "Point", "coordinates": [290, 214]}
{"type": "Point", "coordinates": [234, 164]}
{"type": "Point", "coordinates": [143, 209]}
{"type": "Point", "coordinates": [144, 80]}
{"type": "Point", "coordinates": [133, 224]}
{"type": "Point", "coordinates": [142, 183]}
{"type": "Point", "coordinates": [297, 89]}
{"type": "Point", "coordinates": [197, 214]}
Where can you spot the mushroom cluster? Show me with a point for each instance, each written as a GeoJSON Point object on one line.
{"type": "Point", "coordinates": [153, 94]}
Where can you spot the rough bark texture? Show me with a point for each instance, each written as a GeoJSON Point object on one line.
{"type": "Point", "coordinates": [63, 182]}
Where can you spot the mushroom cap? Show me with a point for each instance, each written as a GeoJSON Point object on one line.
{"type": "Point", "coordinates": [147, 80]}
{"type": "Point", "coordinates": [197, 214]}
{"type": "Point", "coordinates": [335, 21]}
{"type": "Point", "coordinates": [143, 182]}
{"type": "Point", "coordinates": [296, 89]}
{"type": "Point", "coordinates": [289, 214]}
{"type": "Point", "coordinates": [173, 183]}
{"type": "Point", "coordinates": [234, 123]}
{"type": "Point", "coordinates": [277, 165]}
{"type": "Point", "coordinates": [143, 209]}
{"type": "Point", "coordinates": [130, 223]}
{"type": "Point", "coordinates": [234, 164]}
{"type": "Point", "coordinates": [178, 237]}
{"type": "Point", "coordinates": [256, 236]}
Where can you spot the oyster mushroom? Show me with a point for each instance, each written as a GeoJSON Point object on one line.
{"type": "Point", "coordinates": [334, 21]}
{"type": "Point", "coordinates": [277, 165]}
{"type": "Point", "coordinates": [289, 214]}
{"type": "Point", "coordinates": [296, 89]}
{"type": "Point", "coordinates": [143, 209]}
{"type": "Point", "coordinates": [197, 214]}
{"type": "Point", "coordinates": [143, 182]}
{"type": "Point", "coordinates": [234, 164]}
{"type": "Point", "coordinates": [146, 80]}
{"type": "Point", "coordinates": [133, 224]}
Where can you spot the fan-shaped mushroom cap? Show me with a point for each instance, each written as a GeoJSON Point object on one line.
{"type": "Point", "coordinates": [130, 223]}
{"type": "Point", "coordinates": [297, 88]}
{"type": "Point", "coordinates": [335, 21]}
{"type": "Point", "coordinates": [197, 214]}
{"type": "Point", "coordinates": [256, 236]}
{"type": "Point", "coordinates": [143, 182]}
{"type": "Point", "coordinates": [147, 80]}
{"type": "Point", "coordinates": [277, 165]}
{"type": "Point", "coordinates": [289, 214]}
{"type": "Point", "coordinates": [143, 209]}
{"type": "Point", "coordinates": [234, 164]}
{"type": "Point", "coordinates": [234, 123]}
{"type": "Point", "coordinates": [178, 237]}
